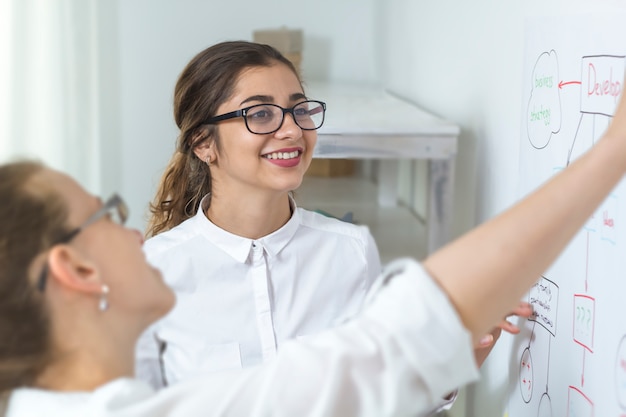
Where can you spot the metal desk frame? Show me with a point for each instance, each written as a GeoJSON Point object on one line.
{"type": "Point", "coordinates": [365, 122]}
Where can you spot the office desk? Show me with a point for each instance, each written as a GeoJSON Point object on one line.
{"type": "Point", "coordinates": [367, 123]}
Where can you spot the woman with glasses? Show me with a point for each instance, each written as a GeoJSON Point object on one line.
{"type": "Point", "coordinates": [250, 268]}
{"type": "Point", "coordinates": [76, 292]}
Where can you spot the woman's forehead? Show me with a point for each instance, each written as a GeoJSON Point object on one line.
{"type": "Point", "coordinates": [80, 204]}
{"type": "Point", "coordinates": [276, 81]}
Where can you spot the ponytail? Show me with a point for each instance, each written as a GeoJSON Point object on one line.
{"type": "Point", "coordinates": [185, 181]}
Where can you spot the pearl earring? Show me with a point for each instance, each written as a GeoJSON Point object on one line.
{"type": "Point", "coordinates": [103, 305]}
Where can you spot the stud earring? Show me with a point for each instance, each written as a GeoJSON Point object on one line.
{"type": "Point", "coordinates": [103, 305]}
{"type": "Point", "coordinates": [208, 160]}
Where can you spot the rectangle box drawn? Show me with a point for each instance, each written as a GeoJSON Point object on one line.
{"type": "Point", "coordinates": [601, 83]}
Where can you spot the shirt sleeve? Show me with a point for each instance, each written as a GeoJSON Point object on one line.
{"type": "Point", "coordinates": [148, 359]}
{"type": "Point", "coordinates": [444, 405]}
{"type": "Point", "coordinates": [400, 356]}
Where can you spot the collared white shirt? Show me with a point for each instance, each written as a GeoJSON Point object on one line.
{"type": "Point", "coordinates": [397, 357]}
{"type": "Point", "coordinates": [239, 300]}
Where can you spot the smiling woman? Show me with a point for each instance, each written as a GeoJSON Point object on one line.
{"type": "Point", "coordinates": [228, 234]}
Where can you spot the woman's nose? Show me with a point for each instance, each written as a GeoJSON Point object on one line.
{"type": "Point", "coordinates": [289, 128]}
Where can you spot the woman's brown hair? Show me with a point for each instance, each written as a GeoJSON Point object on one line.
{"type": "Point", "coordinates": [32, 216]}
{"type": "Point", "coordinates": [207, 82]}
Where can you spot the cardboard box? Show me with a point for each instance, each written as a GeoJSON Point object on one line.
{"type": "Point", "coordinates": [331, 168]}
{"type": "Point", "coordinates": [287, 41]}
{"type": "Point", "coordinates": [296, 60]}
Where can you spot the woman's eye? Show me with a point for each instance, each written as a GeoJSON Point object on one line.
{"type": "Point", "coordinates": [301, 111]}
{"type": "Point", "coordinates": [260, 114]}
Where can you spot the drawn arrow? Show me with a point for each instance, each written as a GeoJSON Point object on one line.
{"type": "Point", "coordinates": [587, 264]}
{"type": "Point", "coordinates": [582, 377]}
{"type": "Point", "coordinates": [562, 83]}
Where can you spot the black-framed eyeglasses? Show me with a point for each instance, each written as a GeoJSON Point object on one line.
{"type": "Point", "coordinates": [263, 119]}
{"type": "Point", "coordinates": [114, 207]}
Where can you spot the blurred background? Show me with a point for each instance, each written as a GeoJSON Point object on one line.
{"type": "Point", "coordinates": [87, 86]}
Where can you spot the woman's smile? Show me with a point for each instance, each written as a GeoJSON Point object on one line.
{"type": "Point", "coordinates": [286, 158]}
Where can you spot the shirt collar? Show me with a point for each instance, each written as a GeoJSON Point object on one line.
{"type": "Point", "coordinates": [239, 247]}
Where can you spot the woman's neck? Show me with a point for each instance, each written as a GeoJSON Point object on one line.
{"type": "Point", "coordinates": [250, 216]}
{"type": "Point", "coordinates": [88, 352]}
{"type": "Point", "coordinates": [80, 371]}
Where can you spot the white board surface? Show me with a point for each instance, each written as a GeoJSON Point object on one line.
{"type": "Point", "coordinates": [570, 360]}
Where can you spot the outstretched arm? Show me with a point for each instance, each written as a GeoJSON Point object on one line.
{"type": "Point", "coordinates": [487, 271]}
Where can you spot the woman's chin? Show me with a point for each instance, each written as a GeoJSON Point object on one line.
{"type": "Point", "coordinates": [166, 304]}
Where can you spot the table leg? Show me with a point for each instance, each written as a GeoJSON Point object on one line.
{"type": "Point", "coordinates": [440, 200]}
{"type": "Point", "coordinates": [388, 182]}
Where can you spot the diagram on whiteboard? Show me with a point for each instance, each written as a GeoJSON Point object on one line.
{"type": "Point", "coordinates": [570, 358]}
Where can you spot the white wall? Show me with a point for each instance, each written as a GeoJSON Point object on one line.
{"type": "Point", "coordinates": [462, 61]}
{"type": "Point", "coordinates": [158, 37]}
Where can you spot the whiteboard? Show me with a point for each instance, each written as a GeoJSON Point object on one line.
{"type": "Point", "coordinates": [570, 358]}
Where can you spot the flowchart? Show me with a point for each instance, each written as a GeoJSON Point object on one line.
{"type": "Point", "coordinates": [570, 358]}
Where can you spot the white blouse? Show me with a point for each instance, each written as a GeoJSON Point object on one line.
{"type": "Point", "coordinates": [398, 357]}
{"type": "Point", "coordinates": [239, 300]}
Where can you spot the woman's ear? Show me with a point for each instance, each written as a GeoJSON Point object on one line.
{"type": "Point", "coordinates": [205, 148]}
{"type": "Point", "coordinates": [205, 151]}
{"type": "Point", "coordinates": [68, 268]}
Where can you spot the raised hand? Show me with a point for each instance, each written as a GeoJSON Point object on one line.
{"type": "Point", "coordinates": [487, 342]}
